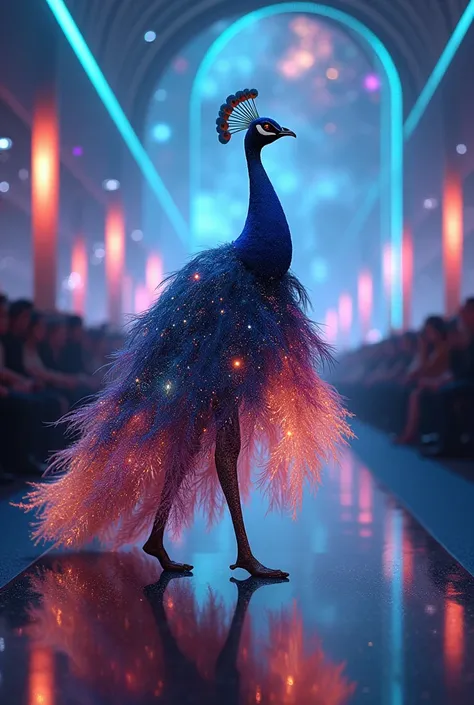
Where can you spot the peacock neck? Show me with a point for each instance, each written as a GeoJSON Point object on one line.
{"type": "Point", "coordinates": [265, 242]}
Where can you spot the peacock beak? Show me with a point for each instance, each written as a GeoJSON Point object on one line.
{"type": "Point", "coordinates": [285, 132]}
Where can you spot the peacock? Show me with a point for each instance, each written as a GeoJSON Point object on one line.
{"type": "Point", "coordinates": [216, 389]}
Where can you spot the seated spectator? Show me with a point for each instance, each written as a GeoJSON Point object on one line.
{"type": "Point", "coordinates": [429, 370]}
{"type": "Point", "coordinates": [52, 349]}
{"type": "Point", "coordinates": [19, 315]}
{"type": "Point", "coordinates": [34, 365]}
{"type": "Point", "coordinates": [447, 410]}
{"type": "Point", "coordinates": [53, 345]}
{"type": "Point", "coordinates": [21, 411]}
{"type": "Point", "coordinates": [71, 360]}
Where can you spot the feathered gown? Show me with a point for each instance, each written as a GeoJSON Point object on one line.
{"type": "Point", "coordinates": [222, 337]}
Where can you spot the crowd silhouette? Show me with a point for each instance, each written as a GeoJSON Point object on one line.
{"type": "Point", "coordinates": [48, 364]}
{"type": "Point", "coordinates": [418, 386]}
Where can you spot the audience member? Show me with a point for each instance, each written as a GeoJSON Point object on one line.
{"type": "Point", "coordinates": [417, 386]}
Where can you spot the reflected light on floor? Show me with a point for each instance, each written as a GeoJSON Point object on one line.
{"type": "Point", "coordinates": [408, 560]}
{"type": "Point", "coordinates": [453, 636]}
{"type": "Point", "coordinates": [346, 485]}
{"type": "Point", "coordinates": [41, 677]}
{"type": "Point", "coordinates": [365, 503]}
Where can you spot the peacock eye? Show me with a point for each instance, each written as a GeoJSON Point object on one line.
{"type": "Point", "coordinates": [266, 126]}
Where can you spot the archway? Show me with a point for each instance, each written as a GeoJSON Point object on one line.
{"type": "Point", "coordinates": [392, 113]}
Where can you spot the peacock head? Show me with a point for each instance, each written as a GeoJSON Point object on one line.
{"type": "Point", "coordinates": [265, 131]}
{"type": "Point", "coordinates": [239, 113]}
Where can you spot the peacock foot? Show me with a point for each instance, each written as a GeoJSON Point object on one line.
{"type": "Point", "coordinates": [158, 551]}
{"type": "Point", "coordinates": [257, 570]}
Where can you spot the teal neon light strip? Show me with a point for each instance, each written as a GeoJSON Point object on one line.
{"type": "Point", "coordinates": [395, 127]}
{"type": "Point", "coordinates": [439, 70]}
{"type": "Point", "coordinates": [113, 107]}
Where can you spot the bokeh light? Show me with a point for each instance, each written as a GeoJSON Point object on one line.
{"type": "Point", "coordinates": [136, 235]}
{"type": "Point", "coordinates": [430, 203]}
{"type": "Point", "coordinates": [461, 149]}
{"type": "Point", "coordinates": [111, 184]}
{"type": "Point", "coordinates": [5, 143]}
{"type": "Point", "coordinates": [150, 36]}
{"type": "Point", "coordinates": [161, 132]}
{"type": "Point", "coordinates": [4, 186]}
{"type": "Point", "coordinates": [77, 151]}
{"type": "Point", "coordinates": [372, 83]}
{"type": "Point", "coordinates": [23, 174]}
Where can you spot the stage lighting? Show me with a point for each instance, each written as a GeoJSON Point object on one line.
{"type": "Point", "coordinates": [150, 36]}
{"type": "Point", "coordinates": [136, 235]}
{"type": "Point", "coordinates": [116, 112]}
{"type": "Point", "coordinates": [5, 143]}
{"type": "Point", "coordinates": [4, 186]}
{"type": "Point", "coordinates": [111, 184]}
{"type": "Point", "coordinates": [461, 149]}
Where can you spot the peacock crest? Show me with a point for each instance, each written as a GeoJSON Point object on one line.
{"type": "Point", "coordinates": [236, 114]}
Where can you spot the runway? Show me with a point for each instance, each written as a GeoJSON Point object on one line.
{"type": "Point", "coordinates": [375, 613]}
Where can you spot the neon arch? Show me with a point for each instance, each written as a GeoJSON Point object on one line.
{"type": "Point", "coordinates": [394, 117]}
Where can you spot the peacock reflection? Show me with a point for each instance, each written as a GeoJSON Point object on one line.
{"type": "Point", "coordinates": [133, 635]}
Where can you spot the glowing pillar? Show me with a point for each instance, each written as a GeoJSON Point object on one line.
{"type": "Point", "coordinates": [331, 326]}
{"type": "Point", "coordinates": [452, 240]}
{"type": "Point", "coordinates": [407, 283]}
{"type": "Point", "coordinates": [365, 302]}
{"type": "Point", "coordinates": [79, 269]}
{"type": "Point", "coordinates": [154, 275]}
{"type": "Point", "coordinates": [127, 294]}
{"type": "Point", "coordinates": [142, 298]}
{"type": "Point", "coordinates": [387, 279]}
{"type": "Point", "coordinates": [45, 200]}
{"type": "Point", "coordinates": [345, 318]}
{"type": "Point", "coordinates": [114, 260]}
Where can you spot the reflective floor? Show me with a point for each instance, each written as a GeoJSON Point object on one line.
{"type": "Point", "coordinates": [375, 612]}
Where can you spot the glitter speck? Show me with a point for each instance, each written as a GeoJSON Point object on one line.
{"type": "Point", "coordinates": [249, 327]}
{"type": "Point", "coordinates": [197, 277]}
{"type": "Point", "coordinates": [289, 433]}
{"type": "Point", "coordinates": [237, 363]}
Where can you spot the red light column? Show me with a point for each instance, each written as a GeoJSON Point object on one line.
{"type": "Point", "coordinates": [407, 281]}
{"type": "Point", "coordinates": [45, 200]}
{"type": "Point", "coordinates": [79, 266]}
{"type": "Point", "coordinates": [365, 302]}
{"type": "Point", "coordinates": [345, 318]}
{"type": "Point", "coordinates": [453, 236]}
{"type": "Point", "coordinates": [114, 260]}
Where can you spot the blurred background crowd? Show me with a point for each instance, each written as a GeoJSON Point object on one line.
{"type": "Point", "coordinates": [48, 364]}
{"type": "Point", "coordinates": [418, 386]}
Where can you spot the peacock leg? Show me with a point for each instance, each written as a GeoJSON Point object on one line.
{"type": "Point", "coordinates": [227, 454]}
{"type": "Point", "coordinates": [154, 545]}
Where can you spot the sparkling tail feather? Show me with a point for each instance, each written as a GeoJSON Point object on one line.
{"type": "Point", "coordinates": [216, 338]}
